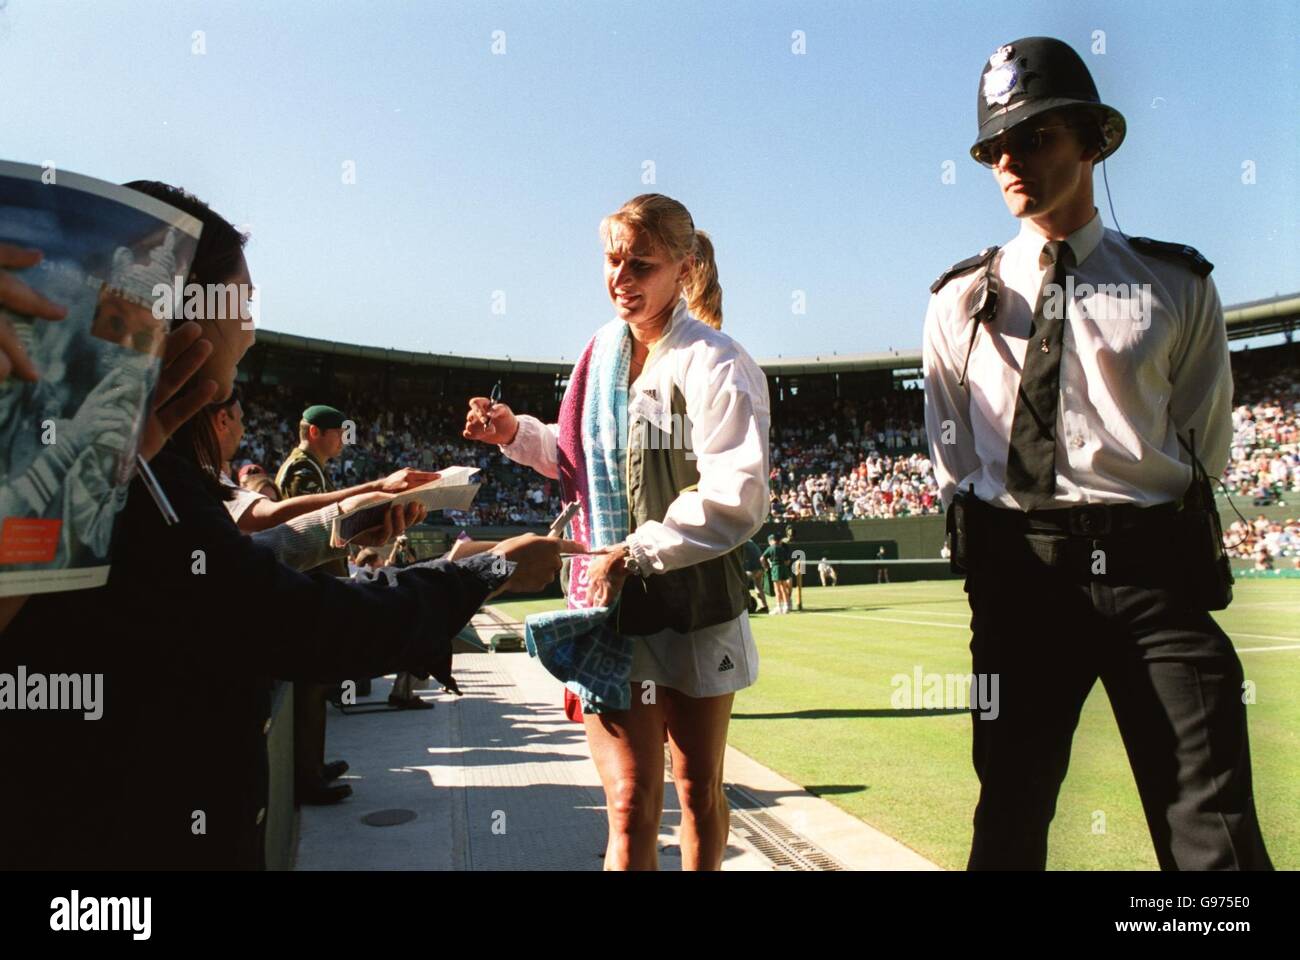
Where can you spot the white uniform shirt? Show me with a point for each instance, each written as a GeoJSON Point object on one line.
{"type": "Point", "coordinates": [1134, 370]}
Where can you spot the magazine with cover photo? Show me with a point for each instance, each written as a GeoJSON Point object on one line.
{"type": "Point", "coordinates": [68, 441]}
{"type": "Point", "coordinates": [453, 490]}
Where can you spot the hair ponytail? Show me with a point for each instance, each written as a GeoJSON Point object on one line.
{"type": "Point", "coordinates": [703, 292]}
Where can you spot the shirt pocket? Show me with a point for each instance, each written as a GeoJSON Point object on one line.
{"type": "Point", "coordinates": [1127, 329]}
{"type": "Point", "coordinates": [1123, 317]}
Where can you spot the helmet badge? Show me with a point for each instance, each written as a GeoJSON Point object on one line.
{"type": "Point", "coordinates": [1001, 77]}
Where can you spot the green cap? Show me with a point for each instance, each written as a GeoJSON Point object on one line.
{"type": "Point", "coordinates": [324, 416]}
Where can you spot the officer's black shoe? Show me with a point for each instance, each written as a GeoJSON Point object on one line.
{"type": "Point", "coordinates": [332, 771]}
{"type": "Point", "coordinates": [320, 794]}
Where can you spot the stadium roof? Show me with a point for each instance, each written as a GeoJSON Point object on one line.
{"type": "Point", "coordinates": [1255, 318]}
{"type": "Point", "coordinates": [1260, 317]}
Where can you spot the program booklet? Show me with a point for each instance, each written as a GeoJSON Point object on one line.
{"type": "Point", "coordinates": [68, 441]}
{"type": "Point", "coordinates": [451, 491]}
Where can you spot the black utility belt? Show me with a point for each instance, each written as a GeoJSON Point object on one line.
{"type": "Point", "coordinates": [1090, 520]}
{"type": "Point", "coordinates": [1180, 542]}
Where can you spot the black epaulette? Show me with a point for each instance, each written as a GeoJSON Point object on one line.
{"type": "Point", "coordinates": [963, 266]}
{"type": "Point", "coordinates": [1173, 251]}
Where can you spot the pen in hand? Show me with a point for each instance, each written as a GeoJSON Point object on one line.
{"type": "Point", "coordinates": [493, 400]}
{"type": "Point", "coordinates": [557, 529]}
{"type": "Point", "coordinates": [568, 513]}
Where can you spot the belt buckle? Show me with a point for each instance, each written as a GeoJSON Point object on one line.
{"type": "Point", "coordinates": [1090, 520]}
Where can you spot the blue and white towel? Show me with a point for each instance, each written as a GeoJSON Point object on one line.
{"type": "Point", "coordinates": [580, 645]}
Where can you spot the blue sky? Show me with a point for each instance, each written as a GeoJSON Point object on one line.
{"type": "Point", "coordinates": [478, 172]}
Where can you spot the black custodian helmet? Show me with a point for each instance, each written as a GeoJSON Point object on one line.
{"type": "Point", "coordinates": [1033, 75]}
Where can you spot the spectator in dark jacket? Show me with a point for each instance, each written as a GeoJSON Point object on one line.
{"type": "Point", "coordinates": [192, 625]}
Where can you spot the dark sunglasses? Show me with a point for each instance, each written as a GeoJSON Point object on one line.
{"type": "Point", "coordinates": [1017, 141]}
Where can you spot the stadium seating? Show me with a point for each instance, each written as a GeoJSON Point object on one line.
{"type": "Point", "coordinates": [836, 460]}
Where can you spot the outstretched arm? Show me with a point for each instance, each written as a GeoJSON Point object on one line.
{"type": "Point", "coordinates": [535, 445]}
{"type": "Point", "coordinates": [310, 626]}
{"type": "Point", "coordinates": [523, 439]}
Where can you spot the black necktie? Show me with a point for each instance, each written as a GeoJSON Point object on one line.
{"type": "Point", "coordinates": [1031, 458]}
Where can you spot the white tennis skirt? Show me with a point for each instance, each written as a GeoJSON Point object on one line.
{"type": "Point", "coordinates": [706, 663]}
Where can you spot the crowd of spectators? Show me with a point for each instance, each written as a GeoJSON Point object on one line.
{"type": "Point", "coordinates": [1272, 544]}
{"type": "Point", "coordinates": [842, 460]}
{"type": "Point", "coordinates": [1265, 461]}
{"type": "Point", "coordinates": [391, 436]}
{"type": "Point", "coordinates": [853, 460]}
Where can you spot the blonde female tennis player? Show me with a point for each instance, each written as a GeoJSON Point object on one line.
{"type": "Point", "coordinates": [696, 422]}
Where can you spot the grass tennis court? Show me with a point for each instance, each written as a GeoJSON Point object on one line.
{"type": "Point", "coordinates": [821, 715]}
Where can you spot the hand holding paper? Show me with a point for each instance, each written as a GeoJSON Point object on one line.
{"type": "Point", "coordinates": [20, 298]}
{"type": "Point", "coordinates": [396, 517]}
{"type": "Point", "coordinates": [408, 478]}
{"type": "Point", "coordinates": [452, 490]}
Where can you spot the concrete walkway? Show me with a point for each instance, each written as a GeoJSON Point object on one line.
{"type": "Point", "coordinates": [499, 779]}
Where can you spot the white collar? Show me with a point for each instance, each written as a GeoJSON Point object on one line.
{"type": "Point", "coordinates": [1082, 242]}
{"type": "Point", "coordinates": [680, 312]}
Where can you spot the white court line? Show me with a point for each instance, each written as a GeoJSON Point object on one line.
{"type": "Point", "coordinates": [954, 626]}
{"type": "Point", "coordinates": [1263, 636]}
{"type": "Point", "coordinates": [965, 615]}
{"type": "Point", "coordinates": [914, 623]}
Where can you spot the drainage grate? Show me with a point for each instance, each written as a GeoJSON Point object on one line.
{"type": "Point", "coordinates": [783, 847]}
{"type": "Point", "coordinates": [388, 818]}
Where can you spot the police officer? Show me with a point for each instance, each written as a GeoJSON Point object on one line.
{"type": "Point", "coordinates": [1064, 373]}
{"type": "Point", "coordinates": [320, 434]}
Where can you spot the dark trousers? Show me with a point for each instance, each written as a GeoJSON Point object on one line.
{"type": "Point", "coordinates": [1174, 683]}
{"type": "Point", "coordinates": [309, 730]}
